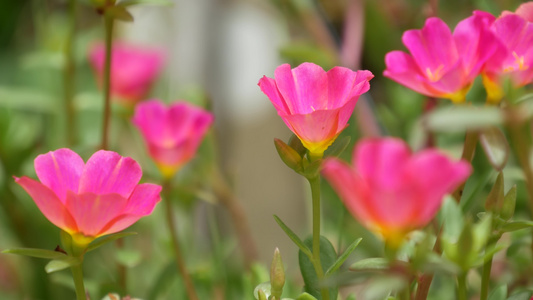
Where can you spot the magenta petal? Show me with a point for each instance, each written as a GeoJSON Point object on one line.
{"type": "Point", "coordinates": [318, 126]}
{"type": "Point", "coordinates": [107, 172]}
{"type": "Point", "coordinates": [345, 85]}
{"type": "Point", "coordinates": [150, 117]}
{"type": "Point", "coordinates": [269, 87]}
{"type": "Point", "coordinates": [525, 10]}
{"type": "Point", "coordinates": [186, 122]}
{"type": "Point", "coordinates": [433, 46]}
{"type": "Point", "coordinates": [48, 203]}
{"type": "Point", "coordinates": [60, 171]}
{"type": "Point", "coordinates": [93, 212]}
{"type": "Point", "coordinates": [402, 68]}
{"type": "Point", "coordinates": [305, 86]}
{"type": "Point", "coordinates": [380, 162]}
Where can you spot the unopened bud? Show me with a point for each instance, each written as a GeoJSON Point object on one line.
{"type": "Point", "coordinates": [495, 199]}
{"type": "Point", "coordinates": [509, 203]}
{"type": "Point", "coordinates": [277, 275]}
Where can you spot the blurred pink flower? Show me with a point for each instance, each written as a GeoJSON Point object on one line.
{"type": "Point", "coordinates": [442, 64]}
{"type": "Point", "coordinates": [173, 134]}
{"type": "Point", "coordinates": [516, 33]}
{"type": "Point", "coordinates": [133, 70]}
{"type": "Point", "coordinates": [315, 104]}
{"type": "Point", "coordinates": [91, 199]}
{"type": "Point", "coordinates": [390, 190]}
{"type": "Point", "coordinates": [525, 10]}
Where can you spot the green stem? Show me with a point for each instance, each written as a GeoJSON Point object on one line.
{"type": "Point", "coordinates": [485, 278]}
{"type": "Point", "coordinates": [77, 275]}
{"type": "Point", "coordinates": [109, 23]}
{"type": "Point", "coordinates": [462, 293]}
{"type": "Point", "coordinates": [69, 73]}
{"type": "Point", "coordinates": [180, 263]}
{"type": "Point", "coordinates": [315, 194]}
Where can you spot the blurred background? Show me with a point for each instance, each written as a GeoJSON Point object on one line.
{"type": "Point", "coordinates": [217, 50]}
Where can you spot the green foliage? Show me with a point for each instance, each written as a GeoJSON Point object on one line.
{"type": "Point", "coordinates": [328, 257]}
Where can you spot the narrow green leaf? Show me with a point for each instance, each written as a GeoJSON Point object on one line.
{"type": "Point", "coordinates": [343, 257]}
{"type": "Point", "coordinates": [61, 264]}
{"type": "Point", "coordinates": [327, 259]}
{"type": "Point", "coordinates": [294, 237]}
{"type": "Point", "coordinates": [338, 147]}
{"type": "Point", "coordinates": [499, 293]}
{"type": "Point", "coordinates": [373, 263]}
{"type": "Point", "coordinates": [514, 226]}
{"type": "Point", "coordinates": [509, 204]}
{"type": "Point", "coordinates": [108, 238]}
{"type": "Point", "coordinates": [495, 198]}
{"type": "Point", "coordinates": [39, 253]}
{"type": "Point", "coordinates": [495, 145]}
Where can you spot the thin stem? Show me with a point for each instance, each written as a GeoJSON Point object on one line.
{"type": "Point", "coordinates": [180, 263]}
{"type": "Point", "coordinates": [109, 23]}
{"type": "Point", "coordinates": [315, 194]}
{"type": "Point", "coordinates": [471, 139]}
{"type": "Point", "coordinates": [238, 217]}
{"type": "Point", "coordinates": [462, 293]}
{"type": "Point", "coordinates": [77, 275]}
{"type": "Point", "coordinates": [485, 278]}
{"type": "Point", "coordinates": [69, 73]}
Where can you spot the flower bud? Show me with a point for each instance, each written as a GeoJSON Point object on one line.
{"type": "Point", "coordinates": [277, 275]}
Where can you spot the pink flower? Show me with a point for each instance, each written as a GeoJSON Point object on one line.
{"type": "Point", "coordinates": [315, 104]}
{"type": "Point", "coordinates": [173, 134]}
{"type": "Point", "coordinates": [390, 190]}
{"type": "Point", "coordinates": [516, 33]}
{"type": "Point", "coordinates": [133, 70]}
{"type": "Point", "coordinates": [91, 199]}
{"type": "Point", "coordinates": [525, 10]}
{"type": "Point", "coordinates": [443, 64]}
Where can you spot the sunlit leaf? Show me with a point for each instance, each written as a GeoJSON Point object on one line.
{"type": "Point", "coordinates": [61, 264]}
{"type": "Point", "coordinates": [495, 146]}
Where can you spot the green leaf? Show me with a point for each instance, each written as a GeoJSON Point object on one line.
{"type": "Point", "coordinates": [144, 2]}
{"type": "Point", "coordinates": [452, 218]}
{"type": "Point", "coordinates": [311, 169]}
{"type": "Point", "coordinates": [338, 147]}
{"type": "Point", "coordinates": [514, 226]}
{"type": "Point", "coordinates": [522, 295]}
{"type": "Point", "coordinates": [294, 237]}
{"type": "Point", "coordinates": [119, 12]}
{"type": "Point", "coordinates": [463, 118]}
{"type": "Point", "coordinates": [128, 257]}
{"type": "Point", "coordinates": [288, 155]}
{"type": "Point", "coordinates": [509, 204]}
{"type": "Point", "coordinates": [39, 253]}
{"type": "Point", "coordinates": [373, 263]}
{"type": "Point", "coordinates": [343, 257]}
{"type": "Point", "coordinates": [26, 99]}
{"type": "Point", "coordinates": [328, 256]}
{"type": "Point", "coordinates": [496, 196]}
{"type": "Point", "coordinates": [108, 238]}
{"type": "Point", "coordinates": [499, 293]}
{"type": "Point", "coordinates": [495, 145]}
{"type": "Point", "coordinates": [265, 288]}
{"type": "Point", "coordinates": [61, 264]}
{"type": "Point", "coordinates": [305, 296]}
{"type": "Point", "coordinates": [296, 144]}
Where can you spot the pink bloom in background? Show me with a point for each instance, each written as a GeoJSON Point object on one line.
{"type": "Point", "coordinates": [442, 64]}
{"type": "Point", "coordinates": [315, 104]}
{"type": "Point", "coordinates": [525, 10]}
{"type": "Point", "coordinates": [133, 70]}
{"type": "Point", "coordinates": [390, 190]}
{"type": "Point", "coordinates": [91, 199]}
{"type": "Point", "coordinates": [516, 33]}
{"type": "Point", "coordinates": [173, 134]}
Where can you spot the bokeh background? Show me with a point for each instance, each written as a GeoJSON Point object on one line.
{"type": "Point", "coordinates": [217, 50]}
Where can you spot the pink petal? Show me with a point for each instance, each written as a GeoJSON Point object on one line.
{"type": "Point", "coordinates": [351, 189]}
{"type": "Point", "coordinates": [141, 203]}
{"type": "Point", "coordinates": [107, 172]}
{"type": "Point", "coordinates": [150, 118]}
{"type": "Point", "coordinates": [48, 203]}
{"type": "Point", "coordinates": [186, 122]}
{"type": "Point", "coordinates": [304, 88]}
{"type": "Point", "coordinates": [93, 212]}
{"type": "Point", "coordinates": [269, 87]}
{"type": "Point", "coordinates": [345, 85]}
{"type": "Point", "coordinates": [402, 68]}
{"type": "Point", "coordinates": [525, 10]}
{"type": "Point", "coordinates": [380, 161]}
{"type": "Point", "coordinates": [433, 46]}
{"type": "Point", "coordinates": [60, 171]}
{"type": "Point", "coordinates": [318, 126]}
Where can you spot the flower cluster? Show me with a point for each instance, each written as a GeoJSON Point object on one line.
{"type": "Point", "coordinates": [443, 64]}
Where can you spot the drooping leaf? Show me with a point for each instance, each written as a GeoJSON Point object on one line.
{"type": "Point", "coordinates": [293, 237]}
{"type": "Point", "coordinates": [61, 264]}
{"type": "Point", "coordinates": [39, 253]}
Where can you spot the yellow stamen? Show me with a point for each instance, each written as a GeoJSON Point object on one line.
{"type": "Point", "coordinates": [436, 75]}
{"type": "Point", "coordinates": [520, 62]}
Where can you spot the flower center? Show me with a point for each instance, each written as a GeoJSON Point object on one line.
{"type": "Point", "coordinates": [435, 75]}
{"type": "Point", "coordinates": [519, 64]}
